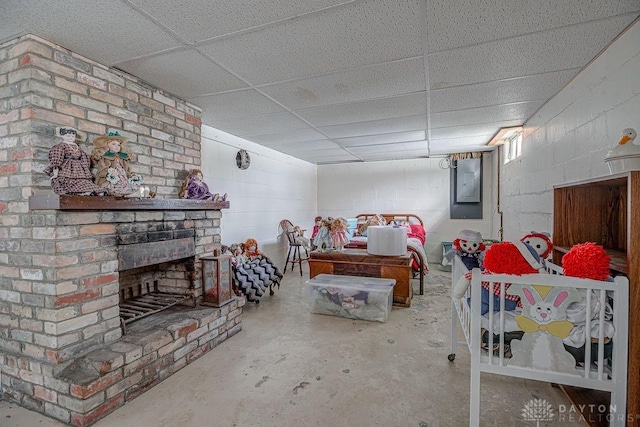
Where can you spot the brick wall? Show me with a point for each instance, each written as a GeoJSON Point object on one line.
{"type": "Point", "coordinates": [59, 276]}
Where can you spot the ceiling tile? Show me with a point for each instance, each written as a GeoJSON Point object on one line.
{"type": "Point", "coordinates": [528, 88]}
{"type": "Point", "coordinates": [185, 73]}
{"type": "Point", "coordinates": [396, 124]}
{"type": "Point", "coordinates": [296, 135]}
{"type": "Point", "coordinates": [554, 50]}
{"type": "Point", "coordinates": [388, 138]}
{"type": "Point", "coordinates": [232, 105]}
{"type": "Point", "coordinates": [497, 113]}
{"type": "Point", "coordinates": [305, 146]}
{"type": "Point", "coordinates": [260, 125]}
{"type": "Point", "coordinates": [359, 33]}
{"type": "Point", "coordinates": [455, 23]}
{"type": "Point", "coordinates": [486, 130]}
{"type": "Point", "coordinates": [394, 149]}
{"type": "Point", "coordinates": [378, 81]}
{"type": "Point", "coordinates": [198, 20]}
{"type": "Point", "coordinates": [73, 25]}
{"type": "Point", "coordinates": [399, 106]}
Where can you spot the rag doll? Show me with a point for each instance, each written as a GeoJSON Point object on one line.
{"type": "Point", "coordinates": [70, 167]}
{"type": "Point", "coordinates": [469, 247]}
{"type": "Point", "coordinates": [502, 258]}
{"type": "Point", "coordinates": [588, 261]}
{"type": "Point", "coordinates": [540, 242]}
{"type": "Point", "coordinates": [112, 166]}
{"type": "Point", "coordinates": [338, 231]}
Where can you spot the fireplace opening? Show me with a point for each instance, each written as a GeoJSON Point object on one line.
{"type": "Point", "coordinates": [148, 290]}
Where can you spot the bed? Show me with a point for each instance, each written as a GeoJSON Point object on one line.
{"type": "Point", "coordinates": [416, 238]}
{"type": "Point", "coordinates": [541, 353]}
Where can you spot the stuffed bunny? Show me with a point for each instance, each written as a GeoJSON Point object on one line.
{"type": "Point", "coordinates": [544, 321]}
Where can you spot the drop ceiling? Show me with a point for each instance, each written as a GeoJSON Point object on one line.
{"type": "Point", "coordinates": [332, 81]}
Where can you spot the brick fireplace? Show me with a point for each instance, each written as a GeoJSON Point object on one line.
{"type": "Point", "coordinates": [65, 260]}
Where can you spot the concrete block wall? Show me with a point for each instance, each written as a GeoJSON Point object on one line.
{"type": "Point", "coordinates": [568, 138]}
{"type": "Point", "coordinates": [419, 187]}
{"type": "Point", "coordinates": [276, 186]}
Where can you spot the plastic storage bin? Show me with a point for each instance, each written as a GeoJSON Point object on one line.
{"type": "Point", "coordinates": [353, 297]}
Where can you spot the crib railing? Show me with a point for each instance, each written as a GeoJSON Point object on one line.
{"type": "Point", "coordinates": [599, 375]}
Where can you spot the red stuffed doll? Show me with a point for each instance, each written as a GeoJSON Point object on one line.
{"type": "Point", "coordinates": [586, 261]}
{"type": "Point", "coordinates": [503, 258]}
{"type": "Point", "coordinates": [540, 242]}
{"type": "Point", "coordinates": [468, 246]}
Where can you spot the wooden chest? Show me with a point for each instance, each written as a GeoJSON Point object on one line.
{"type": "Point", "coordinates": [357, 262]}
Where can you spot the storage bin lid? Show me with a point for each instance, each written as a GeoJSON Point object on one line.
{"type": "Point", "coordinates": [352, 282]}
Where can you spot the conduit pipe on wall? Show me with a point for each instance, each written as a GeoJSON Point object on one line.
{"type": "Point", "coordinates": [501, 229]}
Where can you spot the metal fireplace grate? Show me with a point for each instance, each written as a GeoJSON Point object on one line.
{"type": "Point", "coordinates": [144, 299]}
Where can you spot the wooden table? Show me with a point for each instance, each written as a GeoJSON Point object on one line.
{"type": "Point", "coordinates": [357, 262]}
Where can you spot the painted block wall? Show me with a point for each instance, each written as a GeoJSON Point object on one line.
{"type": "Point", "coordinates": [418, 186]}
{"type": "Point", "coordinates": [274, 187]}
{"type": "Point", "coordinates": [568, 138]}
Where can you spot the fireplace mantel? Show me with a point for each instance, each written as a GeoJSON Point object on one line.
{"type": "Point", "coordinates": [87, 203]}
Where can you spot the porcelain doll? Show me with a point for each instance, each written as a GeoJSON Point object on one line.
{"type": "Point", "coordinates": [112, 163]}
{"type": "Point", "coordinates": [323, 239]}
{"type": "Point", "coordinates": [194, 187]}
{"type": "Point", "coordinates": [70, 167]}
{"type": "Point", "coordinates": [339, 237]}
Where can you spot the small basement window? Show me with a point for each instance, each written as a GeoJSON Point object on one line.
{"type": "Point", "coordinates": [512, 147]}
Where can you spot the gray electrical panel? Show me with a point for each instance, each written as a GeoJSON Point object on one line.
{"type": "Point", "coordinates": [466, 189]}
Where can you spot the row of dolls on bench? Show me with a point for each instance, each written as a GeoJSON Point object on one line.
{"type": "Point", "coordinates": [528, 256]}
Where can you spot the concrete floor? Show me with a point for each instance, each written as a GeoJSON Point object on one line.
{"type": "Point", "coordinates": [292, 368]}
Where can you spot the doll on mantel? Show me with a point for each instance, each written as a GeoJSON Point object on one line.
{"type": "Point", "coordinates": [70, 167]}
{"type": "Point", "coordinates": [194, 187]}
{"type": "Point", "coordinates": [112, 163]}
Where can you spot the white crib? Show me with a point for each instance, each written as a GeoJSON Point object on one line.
{"type": "Point", "coordinates": [607, 375]}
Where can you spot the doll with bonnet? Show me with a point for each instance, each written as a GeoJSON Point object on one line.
{"type": "Point", "coordinates": [323, 239]}
{"type": "Point", "coordinates": [70, 167]}
{"type": "Point", "coordinates": [112, 166]}
{"type": "Point", "coordinates": [469, 247]}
